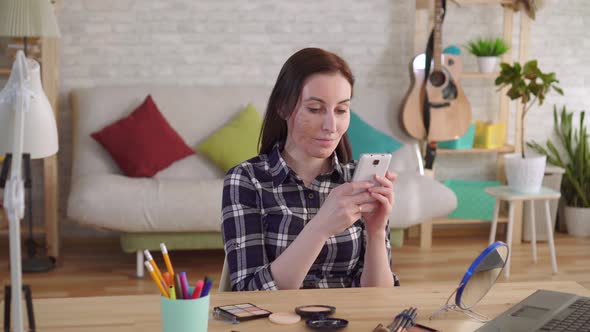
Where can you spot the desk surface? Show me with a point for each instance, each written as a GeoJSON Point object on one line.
{"type": "Point", "coordinates": [364, 308]}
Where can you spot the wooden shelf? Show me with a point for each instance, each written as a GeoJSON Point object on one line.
{"type": "Point", "coordinates": [4, 72]}
{"type": "Point", "coordinates": [483, 2]}
{"type": "Point", "coordinates": [423, 20]}
{"type": "Point", "coordinates": [504, 149]}
{"type": "Point", "coordinates": [470, 75]}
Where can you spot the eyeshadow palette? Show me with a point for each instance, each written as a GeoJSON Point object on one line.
{"type": "Point", "coordinates": [240, 312]}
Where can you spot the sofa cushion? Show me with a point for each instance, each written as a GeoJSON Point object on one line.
{"type": "Point", "coordinates": [236, 141]}
{"type": "Point", "coordinates": [364, 138]}
{"type": "Point", "coordinates": [143, 143]}
{"type": "Point", "coordinates": [95, 107]}
{"type": "Point", "coordinates": [195, 167]}
{"type": "Point", "coordinates": [127, 204]}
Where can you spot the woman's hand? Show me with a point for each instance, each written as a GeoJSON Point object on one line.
{"type": "Point", "coordinates": [342, 208]}
{"type": "Point", "coordinates": [378, 212]}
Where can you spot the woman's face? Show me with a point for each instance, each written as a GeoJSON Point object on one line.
{"type": "Point", "coordinates": [320, 118]}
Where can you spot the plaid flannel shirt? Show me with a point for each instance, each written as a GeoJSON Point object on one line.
{"type": "Point", "coordinates": [266, 205]}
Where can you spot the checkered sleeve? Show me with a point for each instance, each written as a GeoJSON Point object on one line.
{"type": "Point", "coordinates": [242, 233]}
{"type": "Point", "coordinates": [356, 276]}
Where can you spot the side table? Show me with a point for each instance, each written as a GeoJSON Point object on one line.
{"type": "Point", "coordinates": [504, 193]}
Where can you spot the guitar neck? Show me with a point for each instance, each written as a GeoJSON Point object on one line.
{"type": "Point", "coordinates": [437, 47]}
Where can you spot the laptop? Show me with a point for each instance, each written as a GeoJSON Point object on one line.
{"type": "Point", "coordinates": [544, 311]}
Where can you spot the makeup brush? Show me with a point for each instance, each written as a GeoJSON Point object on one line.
{"type": "Point", "coordinates": [397, 322]}
{"type": "Point", "coordinates": [403, 320]}
{"type": "Point", "coordinates": [410, 321]}
{"type": "Point", "coordinates": [381, 328]}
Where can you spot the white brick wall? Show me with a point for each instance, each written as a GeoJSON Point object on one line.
{"type": "Point", "coordinates": [217, 42]}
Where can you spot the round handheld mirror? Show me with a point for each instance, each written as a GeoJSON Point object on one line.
{"type": "Point", "coordinates": [477, 281]}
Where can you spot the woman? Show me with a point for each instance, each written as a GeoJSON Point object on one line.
{"type": "Point", "coordinates": [290, 219]}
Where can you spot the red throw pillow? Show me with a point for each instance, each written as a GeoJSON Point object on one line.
{"type": "Point", "coordinates": [143, 143]}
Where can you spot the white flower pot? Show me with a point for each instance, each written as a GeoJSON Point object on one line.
{"type": "Point", "coordinates": [525, 175]}
{"type": "Point", "coordinates": [577, 221]}
{"type": "Point", "coordinates": [487, 64]}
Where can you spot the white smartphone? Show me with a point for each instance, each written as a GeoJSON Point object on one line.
{"type": "Point", "coordinates": [369, 165]}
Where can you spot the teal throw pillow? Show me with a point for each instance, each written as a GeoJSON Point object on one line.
{"type": "Point", "coordinates": [364, 138]}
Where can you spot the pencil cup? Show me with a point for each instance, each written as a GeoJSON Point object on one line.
{"type": "Point", "coordinates": [185, 315]}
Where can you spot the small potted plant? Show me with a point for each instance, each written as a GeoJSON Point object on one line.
{"type": "Point", "coordinates": [529, 84]}
{"type": "Point", "coordinates": [487, 51]}
{"type": "Point", "coordinates": [575, 187]}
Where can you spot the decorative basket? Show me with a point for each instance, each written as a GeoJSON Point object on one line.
{"type": "Point", "coordinates": [463, 142]}
{"type": "Point", "coordinates": [489, 135]}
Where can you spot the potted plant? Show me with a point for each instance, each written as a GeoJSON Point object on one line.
{"type": "Point", "coordinates": [487, 51]}
{"type": "Point", "coordinates": [575, 187]}
{"type": "Point", "coordinates": [529, 84]}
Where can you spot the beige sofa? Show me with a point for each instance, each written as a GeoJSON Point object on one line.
{"type": "Point", "coordinates": [181, 205]}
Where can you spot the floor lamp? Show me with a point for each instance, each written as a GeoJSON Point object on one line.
{"type": "Point", "coordinates": [27, 125]}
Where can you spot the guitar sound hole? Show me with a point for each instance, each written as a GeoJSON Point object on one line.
{"type": "Point", "coordinates": [437, 78]}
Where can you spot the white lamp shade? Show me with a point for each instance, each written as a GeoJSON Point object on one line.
{"type": "Point", "coordinates": [40, 129]}
{"type": "Point", "coordinates": [27, 18]}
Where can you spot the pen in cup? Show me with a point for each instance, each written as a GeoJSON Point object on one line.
{"type": "Point", "coordinates": [198, 288]}
{"type": "Point", "coordinates": [184, 285]}
{"type": "Point", "coordinates": [167, 279]}
{"type": "Point", "coordinates": [156, 280]}
{"type": "Point", "coordinates": [164, 287]}
{"type": "Point", "coordinates": [167, 259]}
{"type": "Point", "coordinates": [207, 287]}
{"type": "Point", "coordinates": [172, 293]}
{"type": "Point", "coordinates": [178, 287]}
{"type": "Point", "coordinates": [150, 259]}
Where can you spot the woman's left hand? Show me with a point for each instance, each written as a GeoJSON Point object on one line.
{"type": "Point", "coordinates": [378, 212]}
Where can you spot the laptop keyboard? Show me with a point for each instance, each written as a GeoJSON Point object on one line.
{"type": "Point", "coordinates": [577, 321]}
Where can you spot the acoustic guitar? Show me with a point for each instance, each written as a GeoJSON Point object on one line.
{"type": "Point", "coordinates": [450, 112]}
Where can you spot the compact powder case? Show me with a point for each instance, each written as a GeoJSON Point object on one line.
{"type": "Point", "coordinates": [240, 312]}
{"type": "Point", "coordinates": [315, 311]}
{"type": "Point", "coordinates": [317, 317]}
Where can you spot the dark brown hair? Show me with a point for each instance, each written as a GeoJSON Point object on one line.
{"type": "Point", "coordinates": [286, 92]}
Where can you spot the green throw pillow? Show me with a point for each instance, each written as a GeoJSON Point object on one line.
{"type": "Point", "coordinates": [236, 141]}
{"type": "Point", "coordinates": [366, 139]}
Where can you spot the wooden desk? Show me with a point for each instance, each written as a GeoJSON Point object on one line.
{"type": "Point", "coordinates": [364, 308]}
